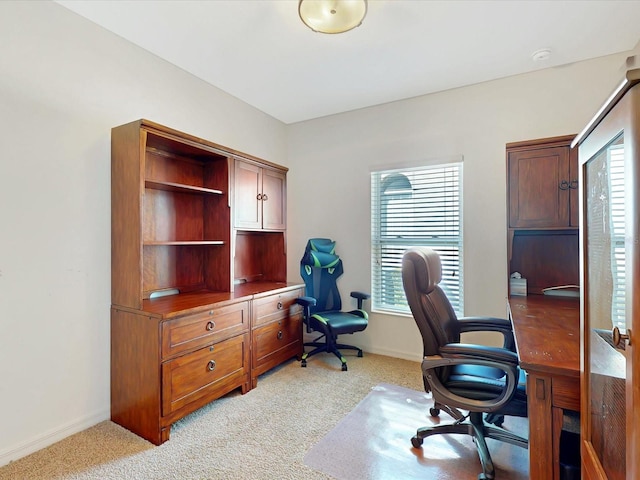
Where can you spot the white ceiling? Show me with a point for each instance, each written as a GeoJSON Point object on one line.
{"type": "Point", "coordinates": [260, 52]}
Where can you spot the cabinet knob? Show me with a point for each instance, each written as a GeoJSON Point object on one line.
{"type": "Point", "coordinates": [564, 185]}
{"type": "Point", "coordinates": [259, 196]}
{"type": "Point", "coordinates": [573, 184]}
{"type": "Point", "coordinates": [265, 197]}
{"type": "Point", "coordinates": [211, 325]}
{"type": "Point", "coordinates": [280, 305]}
{"type": "Point", "coordinates": [618, 337]}
{"type": "Point", "coordinates": [279, 335]}
{"type": "Point", "coordinates": [211, 365]}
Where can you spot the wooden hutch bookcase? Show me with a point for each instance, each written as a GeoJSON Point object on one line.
{"type": "Point", "coordinates": [542, 212]}
{"type": "Point", "coordinates": [200, 302]}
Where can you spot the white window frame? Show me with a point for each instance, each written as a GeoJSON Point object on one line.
{"type": "Point", "coordinates": [418, 219]}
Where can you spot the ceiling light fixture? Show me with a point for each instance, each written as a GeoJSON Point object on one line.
{"type": "Point", "coordinates": [332, 16]}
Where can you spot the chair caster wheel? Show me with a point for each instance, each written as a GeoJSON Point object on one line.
{"type": "Point", "coordinates": [416, 442]}
{"type": "Point", "coordinates": [434, 411]}
{"type": "Point", "coordinates": [303, 363]}
{"type": "Point", "coordinates": [360, 353]}
{"type": "Point", "coordinates": [484, 476]}
{"type": "Point", "coordinates": [344, 367]}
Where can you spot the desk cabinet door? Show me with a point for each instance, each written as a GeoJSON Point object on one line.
{"type": "Point", "coordinates": [611, 283]}
{"type": "Point", "coordinates": [540, 188]}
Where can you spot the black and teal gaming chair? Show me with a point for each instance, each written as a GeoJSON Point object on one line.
{"type": "Point", "coordinates": [320, 268]}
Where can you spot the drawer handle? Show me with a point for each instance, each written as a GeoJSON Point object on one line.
{"type": "Point", "coordinates": [211, 325]}
{"type": "Point", "coordinates": [211, 365]}
{"type": "Point", "coordinates": [279, 334]}
{"type": "Point", "coordinates": [280, 305]}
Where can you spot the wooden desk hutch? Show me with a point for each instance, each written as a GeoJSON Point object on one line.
{"type": "Point", "coordinates": [543, 246]}
{"type": "Point", "coordinates": [200, 302]}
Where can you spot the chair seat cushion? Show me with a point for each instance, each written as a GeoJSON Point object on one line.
{"type": "Point", "coordinates": [483, 383]}
{"type": "Point", "coordinates": [342, 322]}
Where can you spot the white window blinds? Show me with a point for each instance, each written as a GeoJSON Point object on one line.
{"type": "Point", "coordinates": [415, 207]}
{"type": "Point", "coordinates": [616, 186]}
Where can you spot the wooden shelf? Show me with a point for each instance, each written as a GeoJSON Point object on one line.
{"type": "Point", "coordinates": [179, 187]}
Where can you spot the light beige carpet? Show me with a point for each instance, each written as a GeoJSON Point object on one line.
{"type": "Point", "coordinates": [261, 435]}
{"type": "Point", "coordinates": [373, 442]}
{"type": "Point", "coordinates": [264, 434]}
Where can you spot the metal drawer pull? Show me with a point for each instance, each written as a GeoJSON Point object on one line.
{"type": "Point", "coordinates": [211, 325]}
{"type": "Point", "coordinates": [211, 365]}
{"type": "Point", "coordinates": [279, 305]}
{"type": "Point", "coordinates": [279, 334]}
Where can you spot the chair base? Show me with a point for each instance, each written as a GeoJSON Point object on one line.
{"type": "Point", "coordinates": [477, 429]}
{"type": "Point", "coordinates": [329, 347]}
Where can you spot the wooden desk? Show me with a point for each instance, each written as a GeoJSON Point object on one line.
{"type": "Point", "coordinates": [547, 333]}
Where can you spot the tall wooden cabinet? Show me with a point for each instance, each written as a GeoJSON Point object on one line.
{"type": "Point", "coordinates": [200, 307]}
{"type": "Point", "coordinates": [542, 212]}
{"type": "Point", "coordinates": [609, 151]}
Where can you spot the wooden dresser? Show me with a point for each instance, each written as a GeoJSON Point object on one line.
{"type": "Point", "coordinates": [200, 302]}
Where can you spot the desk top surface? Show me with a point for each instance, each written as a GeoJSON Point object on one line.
{"type": "Point", "coordinates": [547, 333]}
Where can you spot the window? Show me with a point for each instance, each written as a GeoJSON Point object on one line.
{"type": "Point", "coordinates": [415, 207]}
{"type": "Point", "coordinates": [617, 226]}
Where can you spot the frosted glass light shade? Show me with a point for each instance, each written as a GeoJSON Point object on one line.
{"type": "Point", "coordinates": [332, 16]}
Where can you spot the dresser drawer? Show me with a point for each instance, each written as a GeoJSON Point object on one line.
{"type": "Point", "coordinates": [276, 307]}
{"type": "Point", "coordinates": [208, 372]}
{"type": "Point", "coordinates": [271, 341]}
{"type": "Point", "coordinates": [186, 333]}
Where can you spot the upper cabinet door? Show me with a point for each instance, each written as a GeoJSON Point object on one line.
{"type": "Point", "coordinates": [540, 185]}
{"type": "Point", "coordinates": [260, 197]}
{"type": "Point", "coordinates": [274, 194]}
{"type": "Point", "coordinates": [248, 195]}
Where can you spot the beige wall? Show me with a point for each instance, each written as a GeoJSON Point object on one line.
{"type": "Point", "coordinates": [331, 158]}
{"type": "Point", "coordinates": [64, 82]}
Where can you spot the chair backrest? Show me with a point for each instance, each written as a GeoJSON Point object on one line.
{"type": "Point", "coordinates": [431, 309]}
{"type": "Point", "coordinates": [320, 269]}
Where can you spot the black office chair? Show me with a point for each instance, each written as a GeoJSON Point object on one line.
{"type": "Point", "coordinates": [475, 378]}
{"type": "Point", "coordinates": [320, 268]}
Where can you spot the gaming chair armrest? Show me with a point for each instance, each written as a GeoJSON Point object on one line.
{"type": "Point", "coordinates": [307, 303]}
{"type": "Point", "coordinates": [490, 324]}
{"type": "Point", "coordinates": [360, 296]}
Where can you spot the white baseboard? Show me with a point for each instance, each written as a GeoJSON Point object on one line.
{"type": "Point", "coordinates": [395, 353]}
{"type": "Point", "coordinates": [46, 439]}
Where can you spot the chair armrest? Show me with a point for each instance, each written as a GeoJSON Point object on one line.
{"type": "Point", "coordinates": [468, 351]}
{"type": "Point", "coordinates": [466, 354]}
{"type": "Point", "coordinates": [360, 296]}
{"type": "Point", "coordinates": [307, 303]}
{"type": "Point", "coordinates": [490, 324]}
